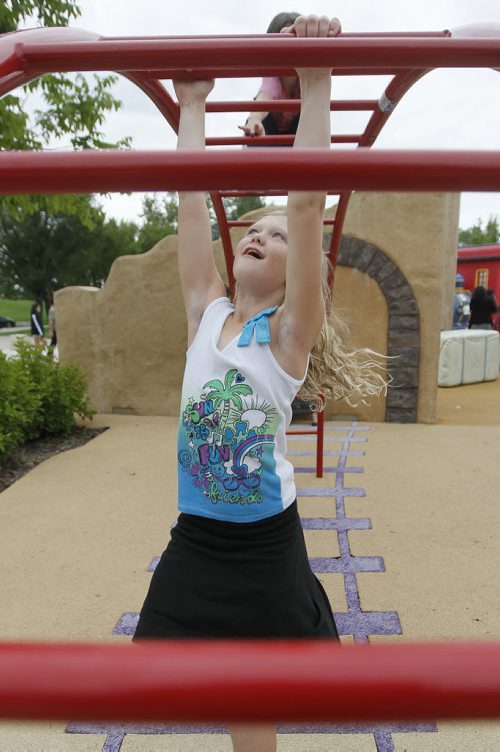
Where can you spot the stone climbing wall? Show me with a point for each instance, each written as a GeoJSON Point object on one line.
{"type": "Point", "coordinates": [393, 287]}
{"type": "Point", "coordinates": [406, 243]}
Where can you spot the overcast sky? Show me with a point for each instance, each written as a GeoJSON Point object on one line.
{"type": "Point", "coordinates": [452, 109]}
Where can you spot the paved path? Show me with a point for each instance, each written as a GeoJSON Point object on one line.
{"type": "Point", "coordinates": [7, 342]}
{"type": "Point", "coordinates": [402, 531]}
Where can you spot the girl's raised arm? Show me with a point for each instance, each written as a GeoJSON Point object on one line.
{"type": "Point", "coordinates": [200, 280]}
{"type": "Point", "coordinates": [303, 309]}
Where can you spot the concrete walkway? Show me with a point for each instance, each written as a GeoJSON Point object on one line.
{"type": "Point", "coordinates": [402, 531]}
{"type": "Point", "coordinates": [8, 341]}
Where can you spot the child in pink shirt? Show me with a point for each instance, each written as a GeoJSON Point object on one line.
{"type": "Point", "coordinates": [284, 87]}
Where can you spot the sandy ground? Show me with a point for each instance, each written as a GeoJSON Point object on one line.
{"type": "Point", "coordinates": [80, 530]}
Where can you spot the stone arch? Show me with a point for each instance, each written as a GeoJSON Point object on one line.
{"type": "Point", "coordinates": [403, 335]}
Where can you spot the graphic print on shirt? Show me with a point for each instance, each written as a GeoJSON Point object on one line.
{"type": "Point", "coordinates": [228, 437]}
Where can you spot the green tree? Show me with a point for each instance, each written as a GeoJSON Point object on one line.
{"type": "Point", "coordinates": [45, 12]}
{"type": "Point", "coordinates": [75, 106]}
{"type": "Point", "coordinates": [159, 219]}
{"type": "Point", "coordinates": [160, 216]}
{"type": "Point", "coordinates": [477, 235]}
{"type": "Point", "coordinates": [108, 240]}
{"type": "Point", "coordinates": [41, 251]}
{"type": "Point", "coordinates": [239, 205]}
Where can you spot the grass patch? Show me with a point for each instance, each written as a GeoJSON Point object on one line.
{"type": "Point", "coordinates": [19, 310]}
{"type": "Point", "coordinates": [9, 333]}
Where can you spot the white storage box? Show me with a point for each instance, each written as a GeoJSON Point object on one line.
{"type": "Point", "coordinates": [468, 355]}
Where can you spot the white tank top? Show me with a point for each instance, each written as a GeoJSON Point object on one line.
{"type": "Point", "coordinates": [235, 410]}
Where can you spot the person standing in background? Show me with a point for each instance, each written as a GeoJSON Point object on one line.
{"type": "Point", "coordinates": [482, 307]}
{"type": "Point", "coordinates": [52, 327]}
{"type": "Point", "coordinates": [36, 320]}
{"type": "Point", "coordinates": [490, 294]}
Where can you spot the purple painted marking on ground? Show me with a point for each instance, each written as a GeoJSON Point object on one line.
{"type": "Point", "coordinates": [339, 507]}
{"type": "Point", "coordinates": [330, 427]}
{"type": "Point", "coordinates": [337, 439]}
{"type": "Point", "coordinates": [326, 453]}
{"type": "Point", "coordinates": [349, 622]}
{"type": "Point", "coordinates": [126, 624]}
{"type": "Point", "coordinates": [351, 592]}
{"type": "Point", "coordinates": [337, 491]}
{"type": "Point", "coordinates": [114, 732]}
{"type": "Point", "coordinates": [113, 742]}
{"type": "Point", "coordinates": [384, 741]}
{"type": "Point", "coordinates": [345, 549]}
{"type": "Point", "coordinates": [349, 564]}
{"type": "Point", "coordinates": [330, 523]}
{"type": "Point", "coordinates": [362, 624]}
{"type": "Point", "coordinates": [154, 564]}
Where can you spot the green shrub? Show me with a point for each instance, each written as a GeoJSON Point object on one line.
{"type": "Point", "coordinates": [19, 405]}
{"type": "Point", "coordinates": [63, 396]}
{"type": "Point", "coordinates": [38, 397]}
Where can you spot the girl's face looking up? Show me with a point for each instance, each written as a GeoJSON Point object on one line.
{"type": "Point", "coordinates": [261, 253]}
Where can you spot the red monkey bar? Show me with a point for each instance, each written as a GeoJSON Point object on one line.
{"type": "Point", "coordinates": [249, 681]}
{"type": "Point", "coordinates": [300, 169]}
{"type": "Point", "coordinates": [256, 55]}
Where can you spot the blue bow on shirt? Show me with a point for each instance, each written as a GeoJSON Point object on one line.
{"type": "Point", "coordinates": [259, 324]}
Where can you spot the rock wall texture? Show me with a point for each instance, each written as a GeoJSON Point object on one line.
{"type": "Point", "coordinates": [394, 285]}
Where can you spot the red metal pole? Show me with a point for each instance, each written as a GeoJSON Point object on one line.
{"type": "Point", "coordinates": [289, 105]}
{"type": "Point", "coordinates": [250, 222]}
{"type": "Point", "coordinates": [226, 71]}
{"type": "Point", "coordinates": [225, 235]}
{"type": "Point", "coordinates": [251, 169]}
{"type": "Point", "coordinates": [336, 238]}
{"type": "Point", "coordinates": [320, 437]}
{"type": "Point", "coordinates": [249, 681]}
{"type": "Point", "coordinates": [159, 96]}
{"type": "Point", "coordinates": [397, 88]}
{"type": "Point", "coordinates": [260, 53]}
{"type": "Point", "coordinates": [344, 138]}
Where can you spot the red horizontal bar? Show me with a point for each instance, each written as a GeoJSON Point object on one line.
{"type": "Point", "coordinates": [249, 222]}
{"type": "Point", "coordinates": [396, 34]}
{"type": "Point", "coordinates": [260, 53]}
{"type": "Point", "coordinates": [249, 681]}
{"type": "Point", "coordinates": [270, 140]}
{"type": "Point", "coordinates": [248, 169]}
{"type": "Point", "coordinates": [256, 72]}
{"type": "Point", "coordinates": [237, 194]}
{"type": "Point", "coordinates": [289, 105]}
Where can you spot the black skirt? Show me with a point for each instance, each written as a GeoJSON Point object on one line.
{"type": "Point", "coordinates": [236, 580]}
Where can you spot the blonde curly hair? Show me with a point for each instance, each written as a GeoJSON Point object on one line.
{"type": "Point", "coordinates": [337, 370]}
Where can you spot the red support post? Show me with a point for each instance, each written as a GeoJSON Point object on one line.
{"type": "Point", "coordinates": [320, 438]}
